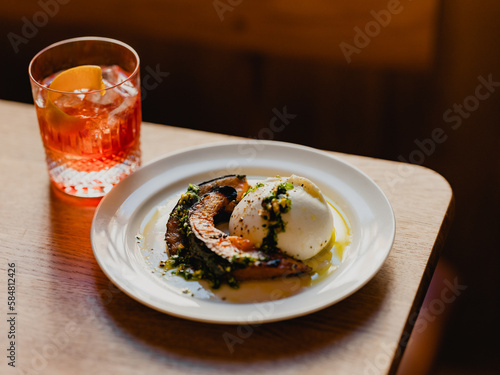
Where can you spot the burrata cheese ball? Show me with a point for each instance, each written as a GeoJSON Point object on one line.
{"type": "Point", "coordinates": [307, 219]}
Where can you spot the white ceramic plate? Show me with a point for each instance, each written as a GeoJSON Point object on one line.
{"type": "Point", "coordinates": [126, 209]}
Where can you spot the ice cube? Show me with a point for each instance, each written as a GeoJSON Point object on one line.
{"type": "Point", "coordinates": [127, 89]}
{"type": "Point", "coordinates": [69, 101]}
{"type": "Point", "coordinates": [111, 75]}
{"type": "Point", "coordinates": [110, 98]}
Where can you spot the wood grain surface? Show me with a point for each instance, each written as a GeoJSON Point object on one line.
{"type": "Point", "coordinates": [71, 319]}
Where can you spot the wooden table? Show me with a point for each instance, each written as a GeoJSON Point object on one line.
{"type": "Point", "coordinates": [72, 320]}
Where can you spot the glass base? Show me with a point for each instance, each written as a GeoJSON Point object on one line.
{"type": "Point", "coordinates": [87, 180]}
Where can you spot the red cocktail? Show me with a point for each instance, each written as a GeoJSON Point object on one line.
{"type": "Point", "coordinates": [89, 115]}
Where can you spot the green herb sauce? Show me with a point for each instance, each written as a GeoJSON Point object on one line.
{"type": "Point", "coordinates": [273, 206]}
{"type": "Point", "coordinates": [195, 262]}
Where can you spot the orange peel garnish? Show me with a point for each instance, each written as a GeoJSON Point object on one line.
{"type": "Point", "coordinates": [83, 77]}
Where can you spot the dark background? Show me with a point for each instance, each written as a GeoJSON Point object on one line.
{"type": "Point", "coordinates": [227, 74]}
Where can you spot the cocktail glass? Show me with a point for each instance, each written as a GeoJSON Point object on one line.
{"type": "Point", "coordinates": [91, 137]}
